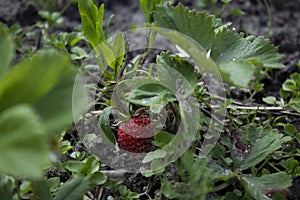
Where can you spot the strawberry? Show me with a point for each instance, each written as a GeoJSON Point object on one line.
{"type": "Point", "coordinates": [136, 135]}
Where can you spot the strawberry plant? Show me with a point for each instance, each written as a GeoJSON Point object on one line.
{"type": "Point", "coordinates": [174, 110]}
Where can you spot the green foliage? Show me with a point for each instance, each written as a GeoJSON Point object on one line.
{"type": "Point", "coordinates": [22, 154]}
{"type": "Point", "coordinates": [126, 194]}
{"type": "Point", "coordinates": [109, 55]}
{"type": "Point", "coordinates": [104, 125]}
{"type": "Point", "coordinates": [35, 98]}
{"type": "Point", "coordinates": [148, 7]}
{"type": "Point", "coordinates": [151, 94]}
{"type": "Point", "coordinates": [233, 53]}
{"type": "Point", "coordinates": [74, 189]}
{"type": "Point", "coordinates": [259, 187]}
{"type": "Point", "coordinates": [184, 67]}
{"type": "Point", "coordinates": [250, 160]}
{"type": "Point", "coordinates": [92, 18]}
{"type": "Point", "coordinates": [261, 142]}
{"type": "Point", "coordinates": [195, 179]}
{"type": "Point", "coordinates": [291, 90]}
{"type": "Point", "coordinates": [219, 11]}
{"type": "Point", "coordinates": [6, 49]}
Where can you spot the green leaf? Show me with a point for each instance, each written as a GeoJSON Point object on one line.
{"type": "Point", "coordinates": [181, 65]}
{"type": "Point", "coordinates": [78, 53]}
{"type": "Point", "coordinates": [169, 190]}
{"type": "Point", "coordinates": [91, 165]}
{"type": "Point", "coordinates": [6, 49]}
{"type": "Point", "coordinates": [73, 166]}
{"type": "Point", "coordinates": [262, 141]}
{"type": "Point", "coordinates": [106, 53]}
{"type": "Point", "coordinates": [295, 104]}
{"type": "Point", "coordinates": [98, 178]}
{"type": "Point", "coordinates": [41, 190]}
{"type": "Point", "coordinates": [148, 7]}
{"type": "Point", "coordinates": [237, 72]}
{"type": "Point", "coordinates": [289, 86]}
{"type": "Point", "coordinates": [23, 143]}
{"type": "Point", "coordinates": [162, 138]}
{"type": "Point", "coordinates": [225, 47]}
{"type": "Point", "coordinates": [151, 94]}
{"type": "Point", "coordinates": [53, 184]}
{"type": "Point", "coordinates": [270, 100]}
{"type": "Point", "coordinates": [159, 153]}
{"type": "Point", "coordinates": [6, 187]}
{"type": "Point", "coordinates": [92, 19]}
{"type": "Point", "coordinates": [290, 129]}
{"type": "Point", "coordinates": [74, 189]}
{"type": "Point", "coordinates": [45, 81]}
{"type": "Point", "coordinates": [258, 187]}
{"type": "Point", "coordinates": [32, 79]}
{"type": "Point", "coordinates": [104, 125]}
{"type": "Point", "coordinates": [119, 51]}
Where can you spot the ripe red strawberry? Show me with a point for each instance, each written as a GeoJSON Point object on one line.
{"type": "Point", "coordinates": [136, 134]}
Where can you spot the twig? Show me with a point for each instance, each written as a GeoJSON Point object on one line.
{"type": "Point", "coordinates": [114, 173]}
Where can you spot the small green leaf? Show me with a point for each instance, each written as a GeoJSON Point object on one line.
{"type": "Point", "coordinates": [295, 104]}
{"type": "Point", "coordinates": [74, 189]}
{"type": "Point", "coordinates": [289, 85]}
{"type": "Point", "coordinates": [290, 129]}
{"type": "Point", "coordinates": [159, 153]}
{"type": "Point", "coordinates": [23, 143]}
{"type": "Point", "coordinates": [270, 100]}
{"type": "Point", "coordinates": [78, 53]}
{"type": "Point", "coordinates": [104, 125]}
{"type": "Point", "coordinates": [119, 51]}
{"type": "Point", "coordinates": [73, 166]}
{"type": "Point", "coordinates": [91, 165]}
{"type": "Point", "coordinates": [162, 138]}
{"type": "Point", "coordinates": [98, 178]}
{"type": "Point", "coordinates": [6, 49]}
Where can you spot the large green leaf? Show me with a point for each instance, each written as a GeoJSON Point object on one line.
{"type": "Point", "coordinates": [6, 49]}
{"type": "Point", "coordinates": [55, 108]}
{"type": "Point", "coordinates": [262, 141]}
{"type": "Point", "coordinates": [151, 94]}
{"type": "Point", "coordinates": [258, 187]}
{"type": "Point", "coordinates": [225, 47]}
{"type": "Point", "coordinates": [46, 82]}
{"type": "Point", "coordinates": [32, 79]}
{"type": "Point", "coordinates": [23, 143]}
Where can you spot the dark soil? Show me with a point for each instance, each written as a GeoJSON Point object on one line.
{"type": "Point", "coordinates": [284, 33]}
